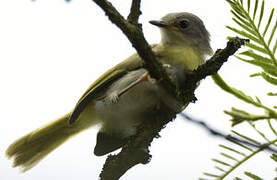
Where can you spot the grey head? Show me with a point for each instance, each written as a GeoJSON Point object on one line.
{"type": "Point", "coordinates": [184, 29]}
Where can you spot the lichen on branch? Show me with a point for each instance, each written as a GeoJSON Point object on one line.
{"type": "Point", "coordinates": [136, 150]}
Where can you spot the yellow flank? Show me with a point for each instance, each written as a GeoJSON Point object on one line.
{"type": "Point", "coordinates": [181, 56]}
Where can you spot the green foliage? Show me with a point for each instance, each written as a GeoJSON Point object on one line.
{"type": "Point", "coordinates": [262, 49]}
{"type": "Point", "coordinates": [253, 24]}
{"type": "Point", "coordinates": [234, 157]}
{"type": "Point", "coordinates": [252, 176]}
{"type": "Point", "coordinates": [238, 115]}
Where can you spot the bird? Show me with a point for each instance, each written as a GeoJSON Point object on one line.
{"type": "Point", "coordinates": [124, 96]}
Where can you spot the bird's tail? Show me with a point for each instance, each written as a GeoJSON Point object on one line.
{"type": "Point", "coordinates": [33, 147]}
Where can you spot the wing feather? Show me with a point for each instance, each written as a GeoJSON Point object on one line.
{"type": "Point", "coordinates": [103, 82]}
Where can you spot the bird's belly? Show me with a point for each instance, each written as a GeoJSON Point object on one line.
{"type": "Point", "coordinates": [131, 108]}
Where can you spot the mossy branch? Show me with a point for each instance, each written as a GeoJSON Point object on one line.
{"type": "Point", "coordinates": [136, 150]}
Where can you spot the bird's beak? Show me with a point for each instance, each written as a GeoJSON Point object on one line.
{"type": "Point", "coordinates": [158, 23]}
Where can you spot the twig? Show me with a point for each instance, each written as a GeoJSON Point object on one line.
{"type": "Point", "coordinates": [223, 135]}
{"type": "Point", "coordinates": [209, 68]}
{"type": "Point", "coordinates": [134, 12]}
{"type": "Point", "coordinates": [135, 35]}
{"type": "Point", "coordinates": [136, 150]}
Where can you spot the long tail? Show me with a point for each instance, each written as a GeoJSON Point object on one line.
{"type": "Point", "coordinates": [33, 147]}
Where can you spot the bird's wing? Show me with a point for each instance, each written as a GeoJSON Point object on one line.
{"type": "Point", "coordinates": [103, 82]}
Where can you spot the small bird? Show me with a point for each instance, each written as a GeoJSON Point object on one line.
{"type": "Point", "coordinates": [123, 97]}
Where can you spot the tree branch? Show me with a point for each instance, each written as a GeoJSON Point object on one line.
{"type": "Point", "coordinates": [223, 135]}
{"type": "Point", "coordinates": [134, 12]}
{"type": "Point", "coordinates": [135, 35]}
{"type": "Point", "coordinates": [136, 150]}
{"type": "Point", "coordinates": [209, 68]}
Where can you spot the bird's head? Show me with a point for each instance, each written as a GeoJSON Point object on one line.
{"type": "Point", "coordinates": [184, 29]}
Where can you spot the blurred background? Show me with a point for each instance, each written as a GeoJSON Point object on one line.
{"type": "Point", "coordinates": [51, 51]}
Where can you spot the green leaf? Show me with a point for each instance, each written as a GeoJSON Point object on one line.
{"type": "Point", "coordinates": [239, 144]}
{"type": "Point", "coordinates": [272, 33]}
{"type": "Point", "coordinates": [245, 34]}
{"type": "Point", "coordinates": [258, 131]}
{"type": "Point", "coordinates": [255, 74]}
{"type": "Point", "coordinates": [258, 99]}
{"type": "Point", "coordinates": [255, 47]}
{"type": "Point", "coordinates": [248, 29]}
{"type": "Point", "coordinates": [240, 95]}
{"type": "Point", "coordinates": [251, 53]}
{"type": "Point", "coordinates": [229, 157]}
{"type": "Point", "coordinates": [247, 138]}
{"type": "Point", "coordinates": [211, 175]}
{"type": "Point", "coordinates": [220, 169]}
{"type": "Point", "coordinates": [267, 67]}
{"type": "Point", "coordinates": [268, 22]}
{"type": "Point", "coordinates": [261, 14]}
{"type": "Point", "coordinates": [221, 162]}
{"type": "Point", "coordinates": [237, 113]}
{"type": "Point", "coordinates": [275, 47]}
{"type": "Point", "coordinates": [238, 10]}
{"type": "Point", "coordinates": [274, 157]}
{"type": "Point", "coordinates": [271, 127]}
{"type": "Point", "coordinates": [248, 6]}
{"type": "Point", "coordinates": [241, 2]}
{"type": "Point", "coordinates": [236, 178]}
{"type": "Point", "coordinates": [253, 176]}
{"type": "Point", "coordinates": [239, 116]}
{"type": "Point", "coordinates": [230, 2]}
{"type": "Point", "coordinates": [242, 20]}
{"type": "Point", "coordinates": [255, 9]}
{"type": "Point", "coordinates": [231, 149]}
{"type": "Point", "coordinates": [272, 94]}
{"type": "Point", "coordinates": [272, 70]}
{"type": "Point", "coordinates": [268, 78]}
{"type": "Point", "coordinates": [252, 154]}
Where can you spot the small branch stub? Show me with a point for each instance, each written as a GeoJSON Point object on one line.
{"type": "Point", "coordinates": [134, 12]}
{"type": "Point", "coordinates": [136, 150]}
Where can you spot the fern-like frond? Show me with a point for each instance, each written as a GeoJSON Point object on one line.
{"type": "Point", "coordinates": [257, 57]}
{"type": "Point", "coordinates": [274, 157]}
{"type": "Point", "coordinates": [266, 77]}
{"type": "Point", "coordinates": [247, 138]}
{"type": "Point", "coordinates": [272, 94]}
{"type": "Point", "coordinates": [258, 131]}
{"type": "Point", "coordinates": [268, 22]}
{"type": "Point", "coordinates": [237, 178]}
{"type": "Point", "coordinates": [250, 23]}
{"type": "Point", "coordinates": [252, 176]}
{"type": "Point", "coordinates": [253, 24]}
{"type": "Point", "coordinates": [241, 95]}
{"type": "Point", "coordinates": [226, 168]}
{"type": "Point", "coordinates": [267, 67]}
{"type": "Point", "coordinates": [239, 116]}
{"type": "Point", "coordinates": [271, 127]}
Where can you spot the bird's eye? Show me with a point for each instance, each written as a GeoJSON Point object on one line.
{"type": "Point", "coordinates": [184, 24]}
